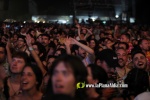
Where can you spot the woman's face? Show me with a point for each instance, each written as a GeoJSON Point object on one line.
{"type": "Point", "coordinates": [36, 49]}
{"type": "Point", "coordinates": [92, 44]}
{"type": "Point", "coordinates": [63, 81]}
{"type": "Point", "coordinates": [28, 79]}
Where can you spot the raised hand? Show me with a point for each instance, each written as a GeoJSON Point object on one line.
{"type": "Point", "coordinates": [73, 41]}
{"type": "Point", "coordinates": [8, 45]}
{"type": "Point", "coordinates": [77, 25]}
{"type": "Point", "coordinates": [67, 41]}
{"type": "Point", "coordinates": [28, 40]}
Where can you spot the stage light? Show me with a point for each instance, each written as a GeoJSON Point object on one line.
{"type": "Point", "coordinates": [117, 16]}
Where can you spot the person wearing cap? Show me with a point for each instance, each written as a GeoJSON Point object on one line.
{"type": "Point", "coordinates": [122, 70]}
{"type": "Point", "coordinates": [109, 61]}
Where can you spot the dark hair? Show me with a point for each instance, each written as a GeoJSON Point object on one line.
{"type": "Point", "coordinates": [127, 35]}
{"type": "Point", "coordinates": [38, 74]}
{"type": "Point", "coordinates": [99, 74]}
{"type": "Point", "coordinates": [41, 49]}
{"type": "Point", "coordinates": [63, 51]}
{"type": "Point", "coordinates": [136, 52]}
{"type": "Point", "coordinates": [2, 45]}
{"type": "Point", "coordinates": [124, 43]}
{"type": "Point", "coordinates": [22, 55]}
{"type": "Point", "coordinates": [141, 40]}
{"type": "Point", "coordinates": [138, 81]}
{"type": "Point", "coordinates": [47, 35]}
{"type": "Point", "coordinates": [51, 56]}
{"type": "Point", "coordinates": [22, 37]}
{"type": "Point", "coordinates": [79, 71]}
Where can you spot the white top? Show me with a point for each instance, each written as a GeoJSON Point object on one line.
{"type": "Point", "coordinates": [143, 96]}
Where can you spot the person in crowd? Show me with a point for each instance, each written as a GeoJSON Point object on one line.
{"type": "Point", "coordinates": [109, 61]}
{"type": "Point", "coordinates": [138, 82]}
{"type": "Point", "coordinates": [30, 82]}
{"type": "Point", "coordinates": [120, 48]}
{"type": "Point", "coordinates": [65, 73]}
{"type": "Point", "coordinates": [12, 83]}
{"type": "Point", "coordinates": [46, 41]}
{"type": "Point", "coordinates": [139, 60]}
{"type": "Point", "coordinates": [50, 60]}
{"type": "Point", "coordinates": [95, 75]}
{"type": "Point", "coordinates": [127, 39]}
{"type": "Point", "coordinates": [39, 38]}
{"type": "Point", "coordinates": [144, 46]}
{"type": "Point", "coordinates": [122, 70]}
{"type": "Point", "coordinates": [40, 51]}
{"type": "Point", "coordinates": [21, 44]}
{"type": "Point", "coordinates": [84, 52]}
{"type": "Point", "coordinates": [3, 58]}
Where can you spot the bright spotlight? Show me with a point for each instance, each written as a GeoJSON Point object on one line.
{"type": "Point", "coordinates": [104, 22]}
{"type": "Point", "coordinates": [117, 16]}
{"type": "Point", "coordinates": [24, 22]}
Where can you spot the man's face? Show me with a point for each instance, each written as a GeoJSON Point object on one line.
{"type": "Point", "coordinates": [82, 52]}
{"type": "Point", "coordinates": [139, 61]}
{"type": "Point", "coordinates": [20, 43]}
{"type": "Point", "coordinates": [122, 57]}
{"type": "Point", "coordinates": [17, 65]}
{"type": "Point", "coordinates": [45, 41]}
{"type": "Point", "coordinates": [144, 45]}
{"type": "Point", "coordinates": [2, 55]}
{"type": "Point", "coordinates": [63, 81]}
{"type": "Point", "coordinates": [123, 38]}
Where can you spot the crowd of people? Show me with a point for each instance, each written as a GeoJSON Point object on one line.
{"type": "Point", "coordinates": [46, 61]}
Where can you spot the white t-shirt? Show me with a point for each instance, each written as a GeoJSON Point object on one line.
{"type": "Point", "coordinates": [143, 96]}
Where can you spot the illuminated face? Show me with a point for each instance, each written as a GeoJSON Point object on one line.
{"type": "Point", "coordinates": [139, 61]}
{"type": "Point", "coordinates": [92, 44]}
{"type": "Point", "coordinates": [145, 45]}
{"type": "Point", "coordinates": [17, 65]}
{"type": "Point", "coordinates": [28, 79]}
{"type": "Point", "coordinates": [122, 57]}
{"type": "Point", "coordinates": [63, 80]}
{"type": "Point", "coordinates": [20, 43]}
{"type": "Point", "coordinates": [45, 41]}
{"type": "Point", "coordinates": [82, 52]}
{"type": "Point", "coordinates": [123, 38]}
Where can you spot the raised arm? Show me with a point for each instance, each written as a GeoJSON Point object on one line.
{"type": "Point", "coordinates": [86, 48]}
{"type": "Point", "coordinates": [34, 55]}
{"type": "Point", "coordinates": [67, 44]}
{"type": "Point", "coordinates": [9, 55]}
